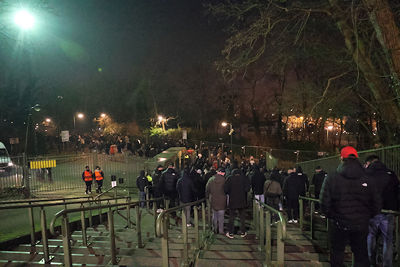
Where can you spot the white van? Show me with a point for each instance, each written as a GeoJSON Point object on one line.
{"type": "Point", "coordinates": [5, 160]}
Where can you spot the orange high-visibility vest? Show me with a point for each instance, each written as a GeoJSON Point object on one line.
{"type": "Point", "coordinates": [98, 175]}
{"type": "Point", "coordinates": [88, 176]}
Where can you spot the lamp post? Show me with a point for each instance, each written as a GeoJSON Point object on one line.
{"type": "Point", "coordinates": [80, 116]}
{"type": "Point", "coordinates": [162, 120]}
{"type": "Point", "coordinates": [224, 124]}
{"type": "Point", "coordinates": [37, 109]}
{"type": "Point", "coordinates": [329, 128]}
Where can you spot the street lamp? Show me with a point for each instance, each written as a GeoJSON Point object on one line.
{"type": "Point", "coordinates": [48, 120]}
{"type": "Point", "coordinates": [79, 116]}
{"type": "Point", "coordinates": [162, 120]}
{"type": "Point", "coordinates": [24, 19]}
{"type": "Point", "coordinates": [329, 128]}
{"type": "Point", "coordinates": [34, 108]}
{"type": "Point", "coordinates": [103, 115]}
{"type": "Point", "coordinates": [224, 124]}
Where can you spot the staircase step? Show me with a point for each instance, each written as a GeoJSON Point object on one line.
{"type": "Point", "coordinates": [228, 263]}
{"type": "Point", "coordinates": [240, 247]}
{"type": "Point", "coordinates": [147, 261]}
{"type": "Point", "coordinates": [232, 255]}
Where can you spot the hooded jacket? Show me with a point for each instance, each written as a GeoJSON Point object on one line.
{"type": "Point", "coordinates": [236, 186]}
{"type": "Point", "coordinates": [169, 179]}
{"type": "Point", "coordinates": [349, 198]}
{"type": "Point", "coordinates": [257, 181]}
{"type": "Point", "coordinates": [142, 182]}
{"type": "Point", "coordinates": [186, 189]}
{"type": "Point", "coordinates": [386, 184]}
{"type": "Point", "coordinates": [318, 180]}
{"type": "Point", "coordinates": [215, 192]}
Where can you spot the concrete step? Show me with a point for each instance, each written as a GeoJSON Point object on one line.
{"type": "Point", "coordinates": [228, 263]}
{"type": "Point", "coordinates": [232, 255]}
{"type": "Point", "coordinates": [39, 264]}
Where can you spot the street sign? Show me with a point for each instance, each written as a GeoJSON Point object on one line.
{"type": "Point", "coordinates": [64, 136]}
{"type": "Point", "coordinates": [14, 141]}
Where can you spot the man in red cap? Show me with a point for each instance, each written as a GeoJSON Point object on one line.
{"type": "Point", "coordinates": [348, 198]}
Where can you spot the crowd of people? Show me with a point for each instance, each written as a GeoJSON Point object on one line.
{"type": "Point", "coordinates": [352, 197]}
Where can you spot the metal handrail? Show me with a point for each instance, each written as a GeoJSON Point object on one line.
{"type": "Point", "coordinates": [161, 216]}
{"type": "Point", "coordinates": [282, 218]}
{"type": "Point", "coordinates": [8, 207]}
{"type": "Point", "coordinates": [108, 190]}
{"type": "Point", "coordinates": [162, 223]}
{"type": "Point", "coordinates": [40, 200]}
{"type": "Point", "coordinates": [110, 213]}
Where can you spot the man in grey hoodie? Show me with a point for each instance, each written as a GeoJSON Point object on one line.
{"type": "Point", "coordinates": [215, 192]}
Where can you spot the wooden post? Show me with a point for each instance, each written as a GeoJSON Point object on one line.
{"type": "Point", "coordinates": [44, 235]}
{"type": "Point", "coordinates": [311, 218]}
{"type": "Point", "coordinates": [280, 246]}
{"type": "Point", "coordinates": [32, 224]}
{"type": "Point", "coordinates": [164, 244]}
{"type": "Point", "coordinates": [301, 213]}
{"type": "Point", "coordinates": [196, 227]}
{"type": "Point", "coordinates": [113, 247]}
{"type": "Point", "coordinates": [83, 224]}
{"type": "Point", "coordinates": [203, 216]}
{"type": "Point", "coordinates": [185, 239]}
{"type": "Point", "coordinates": [138, 227]}
{"type": "Point", "coordinates": [261, 216]}
{"type": "Point", "coordinates": [268, 247]}
{"type": "Point", "coordinates": [66, 243]}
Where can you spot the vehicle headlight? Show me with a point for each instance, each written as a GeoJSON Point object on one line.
{"type": "Point", "coordinates": [10, 164]}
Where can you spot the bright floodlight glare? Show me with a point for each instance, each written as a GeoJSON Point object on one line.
{"type": "Point", "coordinates": [24, 20]}
{"type": "Point", "coordinates": [224, 124]}
{"type": "Point", "coordinates": [80, 115]}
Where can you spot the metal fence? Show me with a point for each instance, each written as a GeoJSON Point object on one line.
{"type": "Point", "coordinates": [67, 174]}
{"type": "Point", "coordinates": [388, 155]}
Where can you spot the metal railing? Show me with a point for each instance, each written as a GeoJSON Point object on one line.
{"type": "Point", "coordinates": [65, 231]}
{"type": "Point", "coordinates": [263, 231]}
{"type": "Point", "coordinates": [312, 202]}
{"type": "Point", "coordinates": [162, 225]}
{"type": "Point", "coordinates": [8, 205]}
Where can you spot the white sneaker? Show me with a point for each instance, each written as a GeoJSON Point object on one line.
{"type": "Point", "coordinates": [295, 221]}
{"type": "Point", "coordinates": [189, 225]}
{"type": "Point", "coordinates": [290, 221]}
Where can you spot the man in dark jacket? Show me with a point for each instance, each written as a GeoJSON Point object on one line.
{"type": "Point", "coordinates": [294, 186]}
{"type": "Point", "coordinates": [141, 183]}
{"type": "Point", "coordinates": [348, 198]}
{"type": "Point", "coordinates": [257, 183]}
{"type": "Point", "coordinates": [215, 192]}
{"type": "Point", "coordinates": [186, 191]}
{"type": "Point", "coordinates": [157, 190]}
{"type": "Point", "coordinates": [168, 182]}
{"type": "Point", "coordinates": [317, 181]}
{"type": "Point", "coordinates": [386, 184]}
{"type": "Point", "coordinates": [237, 186]}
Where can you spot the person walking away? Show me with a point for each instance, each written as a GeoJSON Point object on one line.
{"type": "Point", "coordinates": [215, 193]}
{"type": "Point", "coordinates": [317, 180]}
{"type": "Point", "coordinates": [187, 192]}
{"type": "Point", "coordinates": [99, 176]}
{"type": "Point", "coordinates": [237, 186]}
{"type": "Point", "coordinates": [141, 183]}
{"type": "Point", "coordinates": [169, 179]}
{"type": "Point", "coordinates": [87, 177]}
{"type": "Point", "coordinates": [294, 186]}
{"type": "Point", "coordinates": [348, 199]}
{"type": "Point", "coordinates": [257, 183]}
{"type": "Point", "coordinates": [387, 186]}
{"type": "Point", "coordinates": [273, 192]}
{"type": "Point", "coordinates": [157, 190]}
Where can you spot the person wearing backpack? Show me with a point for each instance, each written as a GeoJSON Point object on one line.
{"type": "Point", "coordinates": [273, 192]}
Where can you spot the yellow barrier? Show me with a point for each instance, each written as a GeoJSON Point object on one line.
{"type": "Point", "coordinates": [40, 164]}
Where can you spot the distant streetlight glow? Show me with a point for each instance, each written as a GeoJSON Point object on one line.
{"type": "Point", "coordinates": [162, 120]}
{"type": "Point", "coordinates": [224, 124]}
{"type": "Point", "coordinates": [80, 115]}
{"type": "Point", "coordinates": [330, 127]}
{"type": "Point", "coordinates": [48, 120]}
{"type": "Point", "coordinates": [103, 115]}
{"type": "Point", "coordinates": [24, 20]}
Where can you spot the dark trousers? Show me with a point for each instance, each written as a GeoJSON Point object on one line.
{"type": "Point", "coordinates": [242, 216]}
{"type": "Point", "coordinates": [317, 203]}
{"type": "Point", "coordinates": [293, 208]}
{"type": "Point", "coordinates": [99, 185]}
{"type": "Point", "coordinates": [88, 186]}
{"type": "Point", "coordinates": [339, 237]}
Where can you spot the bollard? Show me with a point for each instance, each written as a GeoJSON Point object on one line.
{"type": "Point", "coordinates": [147, 198]}
{"type": "Point", "coordinates": [66, 243]}
{"type": "Point", "coordinates": [268, 247]}
{"type": "Point", "coordinates": [155, 217]}
{"type": "Point", "coordinates": [209, 214]}
{"type": "Point", "coordinates": [138, 227]}
{"type": "Point", "coordinates": [44, 235]}
{"type": "Point", "coordinates": [32, 222]}
{"type": "Point", "coordinates": [90, 215]}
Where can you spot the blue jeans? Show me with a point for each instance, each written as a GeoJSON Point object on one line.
{"type": "Point", "coordinates": [218, 220]}
{"type": "Point", "coordinates": [142, 197]}
{"type": "Point", "coordinates": [385, 224]}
